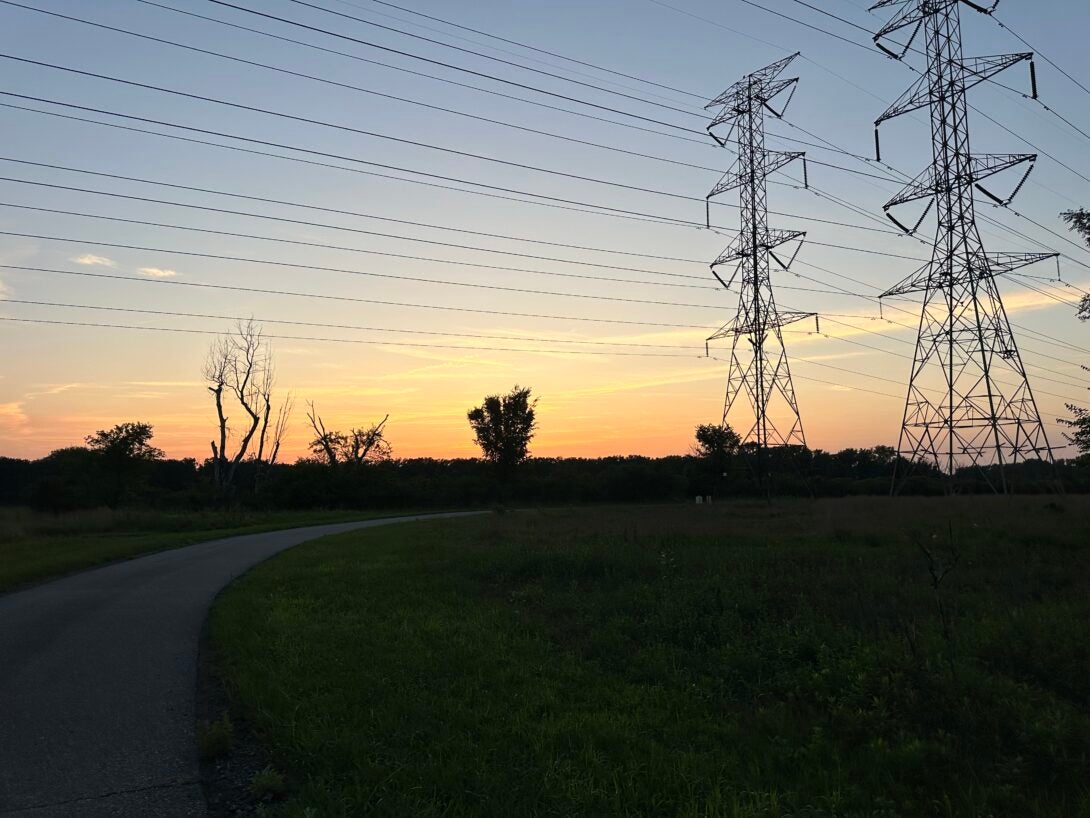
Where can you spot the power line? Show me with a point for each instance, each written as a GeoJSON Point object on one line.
{"type": "Point", "coordinates": [410, 71]}
{"type": "Point", "coordinates": [538, 50]}
{"type": "Point", "coordinates": [341, 270]}
{"type": "Point", "coordinates": [381, 342]}
{"type": "Point", "coordinates": [487, 191]}
{"type": "Point", "coordinates": [407, 100]}
{"type": "Point", "coordinates": [454, 67]}
{"type": "Point", "coordinates": [328, 226]}
{"type": "Point", "coordinates": [330, 325]}
{"type": "Point", "coordinates": [343, 212]}
{"type": "Point", "coordinates": [856, 43]}
{"type": "Point", "coordinates": [341, 248]}
{"type": "Point", "coordinates": [345, 298]}
{"type": "Point", "coordinates": [342, 127]}
{"type": "Point", "coordinates": [871, 34]}
{"type": "Point", "coordinates": [600, 209]}
{"type": "Point", "coordinates": [370, 91]}
{"type": "Point", "coordinates": [271, 262]}
{"type": "Point", "coordinates": [1043, 56]}
{"type": "Point", "coordinates": [202, 285]}
{"type": "Point", "coordinates": [470, 51]}
{"type": "Point", "coordinates": [375, 342]}
{"type": "Point", "coordinates": [512, 52]}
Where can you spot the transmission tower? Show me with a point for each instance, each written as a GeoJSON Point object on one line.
{"type": "Point", "coordinates": [758, 359]}
{"type": "Point", "coordinates": [969, 400]}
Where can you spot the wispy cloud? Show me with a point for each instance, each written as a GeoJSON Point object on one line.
{"type": "Point", "coordinates": [1026, 301]}
{"type": "Point", "coordinates": [50, 389]}
{"type": "Point", "coordinates": [12, 415]}
{"type": "Point", "coordinates": [5, 291]}
{"type": "Point", "coordinates": [91, 260]}
{"type": "Point", "coordinates": [157, 272]}
{"type": "Point", "coordinates": [186, 384]}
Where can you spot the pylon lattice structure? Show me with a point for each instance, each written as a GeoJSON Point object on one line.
{"type": "Point", "coordinates": [969, 400]}
{"type": "Point", "coordinates": [758, 360]}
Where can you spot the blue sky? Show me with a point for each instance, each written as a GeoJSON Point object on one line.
{"type": "Point", "coordinates": [59, 383]}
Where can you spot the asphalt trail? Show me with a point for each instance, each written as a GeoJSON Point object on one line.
{"type": "Point", "coordinates": [98, 673]}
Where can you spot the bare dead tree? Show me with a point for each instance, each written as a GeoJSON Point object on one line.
{"type": "Point", "coordinates": [364, 445]}
{"type": "Point", "coordinates": [325, 444]}
{"type": "Point", "coordinates": [356, 447]}
{"type": "Point", "coordinates": [283, 416]}
{"type": "Point", "coordinates": [239, 370]}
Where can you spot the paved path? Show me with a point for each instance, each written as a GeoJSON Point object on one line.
{"type": "Point", "coordinates": [98, 673]}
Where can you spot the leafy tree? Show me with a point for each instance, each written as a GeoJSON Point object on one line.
{"type": "Point", "coordinates": [714, 442]}
{"type": "Point", "coordinates": [716, 446]}
{"type": "Point", "coordinates": [1079, 222]}
{"type": "Point", "coordinates": [125, 441]}
{"type": "Point", "coordinates": [503, 426]}
{"type": "Point", "coordinates": [124, 451]}
{"type": "Point", "coordinates": [1080, 426]}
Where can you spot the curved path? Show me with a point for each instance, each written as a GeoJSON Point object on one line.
{"type": "Point", "coordinates": [98, 676]}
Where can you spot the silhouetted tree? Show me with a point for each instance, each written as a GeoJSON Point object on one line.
{"type": "Point", "coordinates": [714, 441]}
{"type": "Point", "coordinates": [125, 442]}
{"type": "Point", "coordinates": [716, 445]}
{"type": "Point", "coordinates": [239, 369]}
{"type": "Point", "coordinates": [503, 426]}
{"type": "Point", "coordinates": [1080, 426]}
{"type": "Point", "coordinates": [123, 451]}
{"type": "Point", "coordinates": [1079, 423]}
{"type": "Point", "coordinates": [1079, 221]}
{"type": "Point", "coordinates": [358, 446]}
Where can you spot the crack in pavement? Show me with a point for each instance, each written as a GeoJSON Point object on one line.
{"type": "Point", "coordinates": [163, 786]}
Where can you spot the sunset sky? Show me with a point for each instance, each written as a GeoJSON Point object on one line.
{"type": "Point", "coordinates": [619, 365]}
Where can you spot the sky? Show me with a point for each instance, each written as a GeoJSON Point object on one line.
{"type": "Point", "coordinates": [611, 339]}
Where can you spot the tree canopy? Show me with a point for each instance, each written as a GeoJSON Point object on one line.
{"type": "Point", "coordinates": [125, 441]}
{"type": "Point", "coordinates": [1079, 221]}
{"type": "Point", "coordinates": [716, 441]}
{"type": "Point", "coordinates": [504, 425]}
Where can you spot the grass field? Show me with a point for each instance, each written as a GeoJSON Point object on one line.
{"type": "Point", "coordinates": [36, 546]}
{"type": "Point", "coordinates": [732, 660]}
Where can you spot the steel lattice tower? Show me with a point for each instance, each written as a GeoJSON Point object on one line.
{"type": "Point", "coordinates": [758, 359]}
{"type": "Point", "coordinates": [969, 400]}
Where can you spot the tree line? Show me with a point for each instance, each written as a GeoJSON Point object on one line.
{"type": "Point", "coordinates": [357, 468]}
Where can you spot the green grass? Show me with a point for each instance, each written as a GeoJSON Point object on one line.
{"type": "Point", "coordinates": [734, 660]}
{"type": "Point", "coordinates": [36, 546]}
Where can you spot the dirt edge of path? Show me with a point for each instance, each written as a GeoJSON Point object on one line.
{"type": "Point", "coordinates": [226, 778]}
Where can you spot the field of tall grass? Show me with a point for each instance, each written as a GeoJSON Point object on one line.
{"type": "Point", "coordinates": [858, 657]}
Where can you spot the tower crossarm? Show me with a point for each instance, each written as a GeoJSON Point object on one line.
{"type": "Point", "coordinates": [912, 14]}
{"type": "Point", "coordinates": [774, 160]}
{"type": "Point", "coordinates": [738, 250]}
{"type": "Point", "coordinates": [777, 237]}
{"type": "Point", "coordinates": [976, 70]}
{"type": "Point", "coordinates": [916, 97]}
{"type": "Point", "coordinates": [917, 282]}
{"type": "Point", "coordinates": [996, 264]}
{"type": "Point", "coordinates": [1002, 263]}
{"type": "Point", "coordinates": [758, 84]}
{"type": "Point", "coordinates": [973, 71]}
{"type": "Point", "coordinates": [981, 166]}
{"type": "Point", "coordinates": [922, 187]}
{"type": "Point", "coordinates": [761, 95]}
{"type": "Point", "coordinates": [740, 325]}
